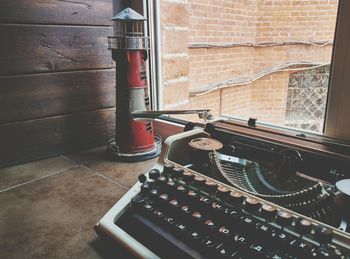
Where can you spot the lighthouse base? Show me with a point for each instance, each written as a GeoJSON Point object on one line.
{"type": "Point", "coordinates": [114, 154]}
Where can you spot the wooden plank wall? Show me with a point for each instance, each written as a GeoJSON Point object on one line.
{"type": "Point", "coordinates": [56, 77]}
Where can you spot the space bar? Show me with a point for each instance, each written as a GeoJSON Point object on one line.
{"type": "Point", "coordinates": [158, 240]}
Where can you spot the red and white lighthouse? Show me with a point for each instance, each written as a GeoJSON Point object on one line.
{"type": "Point", "coordinates": [134, 139]}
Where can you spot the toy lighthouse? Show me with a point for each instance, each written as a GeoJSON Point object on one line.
{"type": "Point", "coordinates": [134, 139]}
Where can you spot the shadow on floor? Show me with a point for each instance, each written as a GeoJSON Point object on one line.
{"type": "Point", "coordinates": [107, 249]}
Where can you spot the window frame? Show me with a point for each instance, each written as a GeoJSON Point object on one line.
{"type": "Point", "coordinates": [337, 121]}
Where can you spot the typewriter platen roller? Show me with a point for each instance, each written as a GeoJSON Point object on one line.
{"type": "Point", "coordinates": [225, 193]}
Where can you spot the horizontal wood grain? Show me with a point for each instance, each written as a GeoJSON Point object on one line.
{"type": "Point", "coordinates": [37, 48]}
{"type": "Point", "coordinates": [35, 139]}
{"type": "Point", "coordinates": [45, 95]}
{"type": "Point", "coordinates": [94, 12]}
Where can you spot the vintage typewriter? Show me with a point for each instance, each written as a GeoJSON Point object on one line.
{"type": "Point", "coordinates": [233, 191]}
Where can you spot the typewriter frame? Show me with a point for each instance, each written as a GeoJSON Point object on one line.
{"type": "Point", "coordinates": [107, 227]}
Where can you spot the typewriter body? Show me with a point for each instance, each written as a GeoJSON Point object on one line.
{"type": "Point", "coordinates": [229, 191]}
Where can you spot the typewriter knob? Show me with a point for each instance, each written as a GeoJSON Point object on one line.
{"type": "Point", "coordinates": [251, 204]}
{"type": "Point", "coordinates": [223, 192]}
{"type": "Point", "coordinates": [187, 176]}
{"type": "Point", "coordinates": [268, 211]}
{"type": "Point", "coordinates": [142, 178]}
{"type": "Point", "coordinates": [138, 200]}
{"type": "Point", "coordinates": [168, 168]}
{"type": "Point", "coordinates": [146, 187]}
{"type": "Point", "coordinates": [177, 172]}
{"type": "Point", "coordinates": [236, 197]}
{"type": "Point", "coordinates": [162, 180]}
{"type": "Point", "coordinates": [199, 181]}
{"type": "Point", "coordinates": [154, 174]}
{"type": "Point", "coordinates": [284, 218]}
{"type": "Point", "coordinates": [210, 186]}
{"type": "Point", "coordinates": [303, 226]}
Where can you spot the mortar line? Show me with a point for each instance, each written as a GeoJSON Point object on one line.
{"type": "Point", "coordinates": [104, 176]}
{"type": "Point", "coordinates": [98, 173]}
{"type": "Point", "coordinates": [37, 179]}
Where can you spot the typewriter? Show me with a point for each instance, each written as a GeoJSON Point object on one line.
{"type": "Point", "coordinates": [233, 191]}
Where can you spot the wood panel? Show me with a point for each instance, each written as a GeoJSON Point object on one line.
{"type": "Point", "coordinates": [44, 95]}
{"type": "Point", "coordinates": [95, 12]}
{"type": "Point", "coordinates": [36, 48]}
{"type": "Point", "coordinates": [35, 139]}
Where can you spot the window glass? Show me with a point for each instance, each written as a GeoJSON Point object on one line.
{"type": "Point", "coordinates": [265, 59]}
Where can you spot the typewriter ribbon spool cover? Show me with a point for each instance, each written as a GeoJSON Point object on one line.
{"type": "Point", "coordinates": [205, 144]}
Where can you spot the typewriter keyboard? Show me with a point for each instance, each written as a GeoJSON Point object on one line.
{"type": "Point", "coordinates": [180, 214]}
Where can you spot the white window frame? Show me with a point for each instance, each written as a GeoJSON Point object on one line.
{"type": "Point", "coordinates": [337, 123]}
{"type": "Point", "coordinates": [337, 117]}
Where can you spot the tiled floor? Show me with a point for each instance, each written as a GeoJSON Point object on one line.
{"type": "Point", "coordinates": [49, 207]}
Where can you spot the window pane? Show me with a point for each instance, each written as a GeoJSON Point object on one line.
{"type": "Point", "coordinates": [267, 59]}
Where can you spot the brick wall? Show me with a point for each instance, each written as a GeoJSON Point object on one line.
{"type": "Point", "coordinates": [188, 67]}
{"type": "Point", "coordinates": [222, 21]}
{"type": "Point", "coordinates": [296, 20]}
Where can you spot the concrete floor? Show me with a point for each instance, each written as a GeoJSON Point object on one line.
{"type": "Point", "coordinates": [49, 207]}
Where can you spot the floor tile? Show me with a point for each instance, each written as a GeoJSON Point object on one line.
{"type": "Point", "coordinates": [124, 173]}
{"type": "Point", "coordinates": [54, 217]}
{"type": "Point", "coordinates": [19, 174]}
{"type": "Point", "coordinates": [88, 156]}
